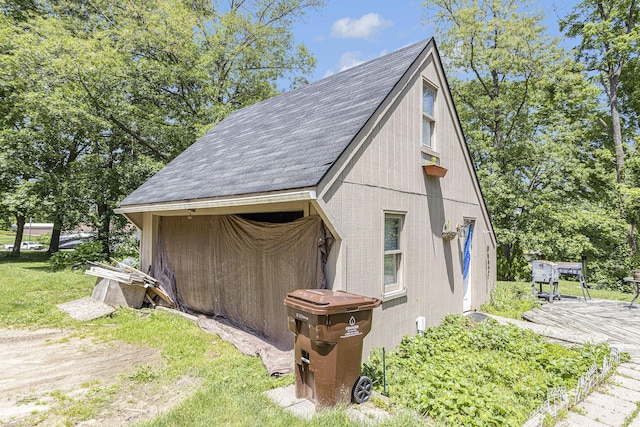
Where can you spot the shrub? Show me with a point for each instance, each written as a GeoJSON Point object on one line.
{"type": "Point", "coordinates": [130, 248]}
{"type": "Point", "coordinates": [83, 253]}
{"type": "Point", "coordinates": [510, 299]}
{"type": "Point", "coordinates": [478, 374]}
{"type": "Point", "coordinates": [60, 260]}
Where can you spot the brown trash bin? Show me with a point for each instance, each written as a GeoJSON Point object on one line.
{"type": "Point", "coordinates": [329, 327]}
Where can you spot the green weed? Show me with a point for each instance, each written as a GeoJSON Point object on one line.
{"type": "Point", "coordinates": [510, 299]}
{"type": "Point", "coordinates": [144, 374]}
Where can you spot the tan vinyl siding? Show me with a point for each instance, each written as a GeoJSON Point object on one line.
{"type": "Point", "coordinates": [385, 174]}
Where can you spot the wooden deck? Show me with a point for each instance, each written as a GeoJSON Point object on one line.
{"type": "Point", "coordinates": [613, 320]}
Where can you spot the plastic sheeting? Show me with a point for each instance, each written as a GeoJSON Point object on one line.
{"type": "Point", "coordinates": [276, 362]}
{"type": "Point", "coordinates": [224, 265]}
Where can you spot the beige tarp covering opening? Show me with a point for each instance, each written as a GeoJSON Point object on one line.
{"type": "Point", "coordinates": [224, 265]}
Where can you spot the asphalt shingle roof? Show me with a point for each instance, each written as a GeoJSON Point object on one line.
{"type": "Point", "coordinates": [285, 142]}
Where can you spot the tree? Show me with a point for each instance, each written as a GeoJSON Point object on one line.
{"type": "Point", "coordinates": [609, 43]}
{"type": "Point", "coordinates": [523, 104]}
{"type": "Point", "coordinates": [115, 89]}
{"type": "Point", "coordinates": [162, 72]}
{"type": "Point", "coordinates": [630, 97]}
{"type": "Point", "coordinates": [609, 39]}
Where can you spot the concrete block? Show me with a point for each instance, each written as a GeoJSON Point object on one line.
{"type": "Point", "coordinates": [625, 382]}
{"type": "Point", "coordinates": [627, 370]}
{"type": "Point", "coordinates": [620, 392]}
{"type": "Point", "coordinates": [601, 414]}
{"type": "Point", "coordinates": [612, 403]}
{"type": "Point", "coordinates": [286, 398]}
{"type": "Point", "coordinates": [576, 420]}
{"type": "Point", "coordinates": [118, 294]}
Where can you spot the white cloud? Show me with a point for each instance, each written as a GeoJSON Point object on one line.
{"type": "Point", "coordinates": [363, 28]}
{"type": "Point", "coordinates": [349, 59]}
{"type": "Point", "coordinates": [328, 73]}
{"type": "Point", "coordinates": [346, 61]}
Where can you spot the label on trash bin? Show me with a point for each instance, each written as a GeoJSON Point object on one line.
{"type": "Point", "coordinates": [301, 316]}
{"type": "Point", "coordinates": [352, 330]}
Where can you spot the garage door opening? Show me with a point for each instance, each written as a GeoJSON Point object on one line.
{"type": "Point", "coordinates": [240, 269]}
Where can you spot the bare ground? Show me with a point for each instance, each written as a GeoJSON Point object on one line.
{"type": "Point", "coordinates": [44, 371]}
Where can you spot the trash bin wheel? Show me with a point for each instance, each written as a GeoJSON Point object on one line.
{"type": "Point", "coordinates": [362, 390]}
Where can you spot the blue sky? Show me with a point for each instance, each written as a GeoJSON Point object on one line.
{"type": "Point", "coordinates": [345, 33]}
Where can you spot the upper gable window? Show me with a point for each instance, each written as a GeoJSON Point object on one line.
{"type": "Point", "coordinates": [428, 117]}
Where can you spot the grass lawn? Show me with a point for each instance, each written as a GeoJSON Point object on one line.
{"type": "Point", "coordinates": [233, 389]}
{"type": "Point", "coordinates": [6, 237]}
{"type": "Point", "coordinates": [573, 288]}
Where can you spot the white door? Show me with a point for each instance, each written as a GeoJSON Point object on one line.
{"type": "Point", "coordinates": [467, 240]}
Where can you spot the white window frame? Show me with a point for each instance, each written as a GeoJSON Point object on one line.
{"type": "Point", "coordinates": [395, 289]}
{"type": "Point", "coordinates": [427, 118]}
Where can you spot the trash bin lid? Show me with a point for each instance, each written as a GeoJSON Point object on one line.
{"type": "Point", "coordinates": [324, 301]}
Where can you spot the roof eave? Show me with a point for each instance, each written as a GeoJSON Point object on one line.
{"type": "Point", "coordinates": [305, 194]}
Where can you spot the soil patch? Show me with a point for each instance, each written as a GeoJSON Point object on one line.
{"type": "Point", "coordinates": [44, 369]}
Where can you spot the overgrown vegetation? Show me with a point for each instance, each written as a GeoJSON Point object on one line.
{"type": "Point", "coordinates": [83, 253]}
{"type": "Point", "coordinates": [557, 157]}
{"type": "Point", "coordinates": [124, 88]}
{"type": "Point", "coordinates": [478, 374]}
{"type": "Point", "coordinates": [511, 299]}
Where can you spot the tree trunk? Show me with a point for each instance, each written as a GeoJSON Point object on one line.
{"type": "Point", "coordinates": [632, 238]}
{"type": "Point", "coordinates": [616, 129]}
{"type": "Point", "coordinates": [20, 221]}
{"type": "Point", "coordinates": [54, 243]}
{"type": "Point", "coordinates": [104, 215]}
{"type": "Point", "coordinates": [508, 256]}
{"type": "Point", "coordinates": [616, 133]}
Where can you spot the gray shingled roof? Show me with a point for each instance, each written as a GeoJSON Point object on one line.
{"type": "Point", "coordinates": [286, 142]}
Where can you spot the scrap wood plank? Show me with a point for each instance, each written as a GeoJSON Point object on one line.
{"type": "Point", "coordinates": [140, 273]}
{"type": "Point", "coordinates": [108, 274]}
{"type": "Point", "coordinates": [105, 266]}
{"type": "Point", "coordinates": [124, 269]}
{"type": "Point", "coordinates": [122, 277]}
{"type": "Point", "coordinates": [159, 292]}
{"type": "Point", "coordinates": [134, 270]}
{"type": "Point", "coordinates": [149, 299]}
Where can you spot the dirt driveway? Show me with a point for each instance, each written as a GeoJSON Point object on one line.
{"type": "Point", "coordinates": [43, 371]}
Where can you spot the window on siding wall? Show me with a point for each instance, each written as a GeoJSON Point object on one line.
{"type": "Point", "coordinates": [428, 117]}
{"type": "Point", "coordinates": [393, 252]}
